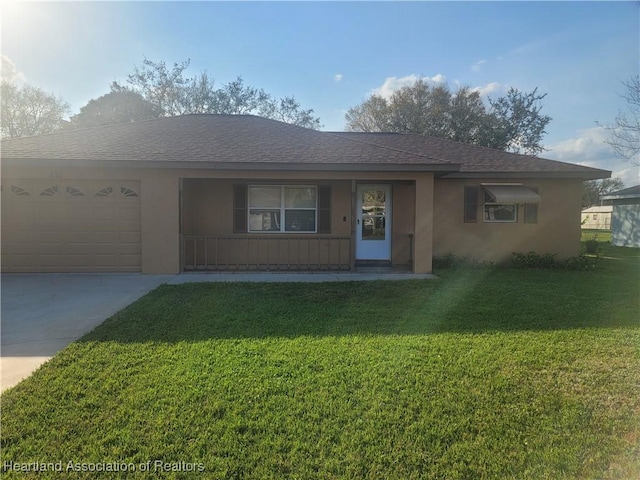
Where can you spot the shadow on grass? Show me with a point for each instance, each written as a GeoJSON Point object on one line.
{"type": "Point", "coordinates": [464, 301]}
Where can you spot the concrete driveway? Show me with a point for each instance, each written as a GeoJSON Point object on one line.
{"type": "Point", "coordinates": [43, 313]}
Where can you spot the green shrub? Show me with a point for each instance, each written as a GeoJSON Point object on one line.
{"type": "Point", "coordinates": [447, 261]}
{"type": "Point", "coordinates": [548, 261]}
{"type": "Point", "coordinates": [533, 260]}
{"type": "Point", "coordinates": [581, 262]}
{"type": "Point", "coordinates": [451, 261]}
{"type": "Point", "coordinates": [592, 246]}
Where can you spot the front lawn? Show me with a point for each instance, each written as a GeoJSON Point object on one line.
{"type": "Point", "coordinates": [598, 235]}
{"type": "Point", "coordinates": [484, 373]}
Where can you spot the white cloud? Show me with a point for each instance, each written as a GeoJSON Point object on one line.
{"type": "Point", "coordinates": [9, 72]}
{"type": "Point", "coordinates": [488, 89]}
{"type": "Point", "coordinates": [478, 65]}
{"type": "Point", "coordinates": [338, 77]}
{"type": "Point", "coordinates": [391, 84]}
{"type": "Point", "coordinates": [588, 148]}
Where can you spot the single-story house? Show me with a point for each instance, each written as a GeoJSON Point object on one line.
{"type": "Point", "coordinates": [597, 217]}
{"type": "Point", "coordinates": [625, 218]}
{"type": "Point", "coordinates": [240, 192]}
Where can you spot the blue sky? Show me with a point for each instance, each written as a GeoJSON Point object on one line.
{"type": "Point", "coordinates": [332, 55]}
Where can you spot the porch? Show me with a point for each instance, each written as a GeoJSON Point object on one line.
{"type": "Point", "coordinates": [324, 225]}
{"type": "Point", "coordinates": [273, 253]}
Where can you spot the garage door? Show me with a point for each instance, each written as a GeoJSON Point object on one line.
{"type": "Point", "coordinates": [71, 226]}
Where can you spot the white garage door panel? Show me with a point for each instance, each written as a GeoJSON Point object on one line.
{"type": "Point", "coordinates": [71, 226]}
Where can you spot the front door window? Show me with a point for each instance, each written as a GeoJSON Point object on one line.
{"type": "Point", "coordinates": [373, 239]}
{"type": "Point", "coordinates": [373, 215]}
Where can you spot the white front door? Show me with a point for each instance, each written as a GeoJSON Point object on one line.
{"type": "Point", "coordinates": [373, 222]}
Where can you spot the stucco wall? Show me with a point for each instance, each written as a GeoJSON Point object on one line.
{"type": "Point", "coordinates": [404, 200]}
{"type": "Point", "coordinates": [431, 210]}
{"type": "Point", "coordinates": [557, 230]}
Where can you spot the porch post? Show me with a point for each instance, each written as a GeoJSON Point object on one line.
{"type": "Point", "coordinates": [352, 241]}
{"type": "Point", "coordinates": [160, 223]}
{"type": "Point", "coordinates": [423, 230]}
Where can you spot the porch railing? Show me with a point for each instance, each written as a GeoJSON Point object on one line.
{"type": "Point", "coordinates": [268, 253]}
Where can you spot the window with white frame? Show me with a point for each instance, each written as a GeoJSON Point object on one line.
{"type": "Point", "coordinates": [283, 208]}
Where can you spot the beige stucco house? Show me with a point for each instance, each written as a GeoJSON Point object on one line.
{"type": "Point", "coordinates": [597, 217]}
{"type": "Point", "coordinates": [221, 192]}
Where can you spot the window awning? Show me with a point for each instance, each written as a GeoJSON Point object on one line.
{"type": "Point", "coordinates": [511, 194]}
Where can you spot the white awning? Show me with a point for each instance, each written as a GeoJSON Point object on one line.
{"type": "Point", "coordinates": [511, 194]}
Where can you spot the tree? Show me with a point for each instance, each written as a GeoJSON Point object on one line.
{"type": "Point", "coordinates": [174, 94]}
{"type": "Point", "coordinates": [371, 115]}
{"type": "Point", "coordinates": [625, 131]}
{"type": "Point", "coordinates": [521, 125]}
{"type": "Point", "coordinates": [163, 87]}
{"type": "Point", "coordinates": [235, 98]}
{"type": "Point", "coordinates": [513, 122]}
{"type": "Point", "coordinates": [594, 190]}
{"type": "Point", "coordinates": [29, 110]}
{"type": "Point", "coordinates": [288, 110]}
{"type": "Point", "coordinates": [115, 107]}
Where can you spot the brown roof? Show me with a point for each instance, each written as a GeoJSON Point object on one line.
{"type": "Point", "coordinates": [247, 141]}
{"type": "Point", "coordinates": [475, 160]}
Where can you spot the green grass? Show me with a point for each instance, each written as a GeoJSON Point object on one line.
{"type": "Point", "coordinates": [484, 373]}
{"type": "Point", "coordinates": [599, 235]}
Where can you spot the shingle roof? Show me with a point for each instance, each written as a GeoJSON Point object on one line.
{"type": "Point", "coordinates": [472, 158]}
{"type": "Point", "coordinates": [216, 139]}
{"type": "Point", "coordinates": [625, 192]}
{"type": "Point", "coordinates": [224, 141]}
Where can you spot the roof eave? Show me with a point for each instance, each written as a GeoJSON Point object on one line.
{"type": "Point", "coordinates": [243, 166]}
{"type": "Point", "coordinates": [580, 175]}
{"type": "Point", "coordinates": [621, 197]}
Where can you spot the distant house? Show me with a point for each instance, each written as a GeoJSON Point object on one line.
{"type": "Point", "coordinates": [625, 218]}
{"type": "Point", "coordinates": [239, 192]}
{"type": "Point", "coordinates": [597, 217]}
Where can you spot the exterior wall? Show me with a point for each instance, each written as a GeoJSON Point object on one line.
{"type": "Point", "coordinates": [625, 224]}
{"type": "Point", "coordinates": [557, 230]}
{"type": "Point", "coordinates": [424, 223]}
{"type": "Point", "coordinates": [431, 210]}
{"type": "Point", "coordinates": [403, 217]}
{"type": "Point", "coordinates": [160, 222]}
{"type": "Point", "coordinates": [596, 218]}
{"type": "Point", "coordinates": [207, 211]}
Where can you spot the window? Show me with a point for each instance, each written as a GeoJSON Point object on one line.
{"type": "Point", "coordinates": [74, 192]}
{"type": "Point", "coordinates": [18, 191]}
{"type": "Point", "coordinates": [496, 212]}
{"type": "Point", "coordinates": [105, 192]}
{"type": "Point", "coordinates": [282, 208]}
{"type": "Point", "coordinates": [49, 192]}
{"type": "Point", "coordinates": [499, 212]}
{"type": "Point", "coordinates": [127, 192]}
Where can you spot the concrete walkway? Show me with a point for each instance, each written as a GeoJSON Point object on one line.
{"type": "Point", "coordinates": [292, 277]}
{"type": "Point", "coordinates": [43, 313]}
